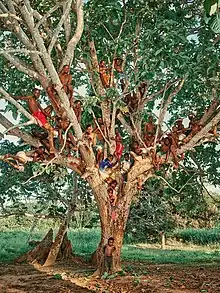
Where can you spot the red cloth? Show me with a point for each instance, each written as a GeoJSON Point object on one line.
{"type": "Point", "coordinates": [119, 150]}
{"type": "Point", "coordinates": [40, 117]}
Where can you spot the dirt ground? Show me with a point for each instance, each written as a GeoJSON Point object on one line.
{"type": "Point", "coordinates": [142, 278]}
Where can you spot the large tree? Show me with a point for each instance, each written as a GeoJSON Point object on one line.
{"type": "Point", "coordinates": [170, 65]}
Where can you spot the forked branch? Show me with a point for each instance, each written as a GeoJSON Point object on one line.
{"type": "Point", "coordinates": [27, 138]}
{"type": "Point", "coordinates": [68, 58]}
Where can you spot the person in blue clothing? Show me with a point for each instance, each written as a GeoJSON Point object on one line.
{"type": "Point", "coordinates": [106, 163]}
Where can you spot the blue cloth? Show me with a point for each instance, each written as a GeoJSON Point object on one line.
{"type": "Point", "coordinates": [105, 164]}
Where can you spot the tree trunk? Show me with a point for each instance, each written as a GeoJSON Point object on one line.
{"type": "Point", "coordinates": [163, 240]}
{"type": "Point", "coordinates": [60, 237]}
{"type": "Point", "coordinates": [66, 251]}
{"type": "Point", "coordinates": [113, 223]}
{"type": "Point", "coordinates": [40, 252]}
{"type": "Point", "coordinates": [114, 219]}
{"type": "Point", "coordinates": [52, 256]}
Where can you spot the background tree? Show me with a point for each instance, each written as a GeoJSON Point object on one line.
{"type": "Point", "coordinates": [170, 66]}
{"type": "Point", "coordinates": [181, 202]}
{"type": "Point", "coordinates": [56, 195]}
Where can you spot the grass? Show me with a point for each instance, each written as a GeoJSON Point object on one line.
{"type": "Point", "coordinates": [199, 236]}
{"type": "Point", "coordinates": [14, 244]}
{"type": "Point", "coordinates": [84, 241]}
{"type": "Point", "coordinates": [175, 256]}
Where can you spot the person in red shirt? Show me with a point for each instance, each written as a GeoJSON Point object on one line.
{"type": "Point", "coordinates": [119, 146]}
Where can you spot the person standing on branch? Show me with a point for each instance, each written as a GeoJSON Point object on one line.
{"type": "Point", "coordinates": [78, 110]}
{"type": "Point", "coordinates": [40, 114]}
{"type": "Point", "coordinates": [104, 74]}
{"type": "Point", "coordinates": [90, 135]}
{"type": "Point", "coordinates": [119, 146]}
{"type": "Point", "coordinates": [149, 132]}
{"type": "Point", "coordinates": [66, 80]}
{"type": "Point", "coordinates": [118, 62]}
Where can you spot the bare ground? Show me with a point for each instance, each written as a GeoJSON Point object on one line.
{"type": "Point", "coordinates": [144, 278]}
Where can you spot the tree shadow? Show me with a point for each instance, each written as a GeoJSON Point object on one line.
{"type": "Point", "coordinates": [26, 278]}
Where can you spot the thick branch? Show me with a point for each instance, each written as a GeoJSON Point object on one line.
{"type": "Point", "coordinates": [9, 15]}
{"type": "Point", "coordinates": [69, 162]}
{"type": "Point", "coordinates": [21, 66]}
{"type": "Point", "coordinates": [21, 109]}
{"type": "Point", "coordinates": [59, 26]}
{"type": "Point", "coordinates": [3, 8]}
{"type": "Point", "coordinates": [198, 139]}
{"type": "Point", "coordinates": [142, 168]}
{"type": "Point", "coordinates": [27, 138]}
{"type": "Point", "coordinates": [10, 4]}
{"type": "Point", "coordinates": [168, 101]}
{"type": "Point", "coordinates": [68, 58]}
{"type": "Point", "coordinates": [24, 51]}
{"type": "Point", "coordinates": [24, 39]}
{"type": "Point", "coordinates": [95, 69]}
{"type": "Point", "coordinates": [67, 25]}
{"type": "Point", "coordinates": [212, 108]}
{"type": "Point", "coordinates": [105, 105]}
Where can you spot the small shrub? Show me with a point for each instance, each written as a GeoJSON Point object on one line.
{"type": "Point", "coordinates": [57, 277]}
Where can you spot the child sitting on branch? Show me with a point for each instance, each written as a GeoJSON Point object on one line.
{"type": "Point", "coordinates": [66, 80]}
{"type": "Point", "coordinates": [21, 158]}
{"type": "Point", "coordinates": [40, 115]}
{"type": "Point", "coordinates": [106, 165]}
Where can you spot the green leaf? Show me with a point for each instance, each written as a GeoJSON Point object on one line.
{"type": "Point", "coordinates": [215, 23]}
{"type": "Point", "coordinates": [159, 51]}
{"type": "Point", "coordinates": [15, 114]}
{"type": "Point", "coordinates": [208, 4]}
{"type": "Point", "coordinates": [214, 8]}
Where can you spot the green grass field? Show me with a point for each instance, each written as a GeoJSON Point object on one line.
{"type": "Point", "coordinates": [199, 236]}
{"type": "Point", "coordinates": [13, 244]}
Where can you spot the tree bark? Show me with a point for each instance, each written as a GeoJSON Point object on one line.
{"type": "Point", "coordinates": [27, 138]}
{"type": "Point", "coordinates": [163, 240]}
{"type": "Point", "coordinates": [61, 242]}
{"type": "Point", "coordinates": [40, 252]}
{"type": "Point", "coordinates": [66, 251]}
{"type": "Point", "coordinates": [113, 222]}
{"type": "Point", "coordinates": [52, 256]}
{"type": "Point", "coordinates": [114, 219]}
